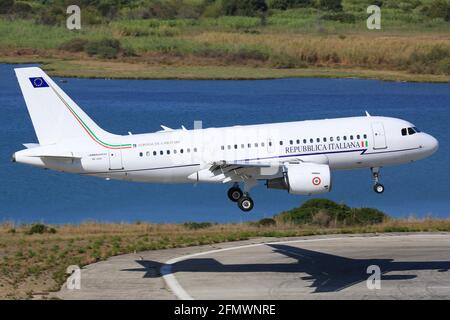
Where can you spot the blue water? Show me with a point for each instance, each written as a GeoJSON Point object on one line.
{"type": "Point", "coordinates": [30, 194]}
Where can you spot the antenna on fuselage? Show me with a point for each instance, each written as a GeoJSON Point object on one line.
{"type": "Point", "coordinates": [367, 114]}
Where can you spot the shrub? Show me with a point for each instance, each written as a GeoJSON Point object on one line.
{"type": "Point", "coordinates": [244, 7]}
{"type": "Point", "coordinates": [74, 45]}
{"type": "Point", "coordinates": [197, 225]}
{"type": "Point", "coordinates": [434, 61]}
{"type": "Point", "coordinates": [325, 212]}
{"type": "Point", "coordinates": [444, 65]}
{"type": "Point", "coordinates": [334, 5]}
{"type": "Point", "coordinates": [6, 5]}
{"type": "Point", "coordinates": [437, 9]}
{"type": "Point", "coordinates": [287, 4]}
{"type": "Point", "coordinates": [266, 222]}
{"type": "Point", "coordinates": [284, 61]}
{"type": "Point", "coordinates": [40, 228]}
{"type": "Point", "coordinates": [340, 16]}
{"type": "Point", "coordinates": [105, 48]}
{"type": "Point", "coordinates": [51, 16]}
{"type": "Point", "coordinates": [21, 9]}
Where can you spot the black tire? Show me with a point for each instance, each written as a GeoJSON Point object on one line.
{"type": "Point", "coordinates": [245, 203]}
{"type": "Point", "coordinates": [378, 188]}
{"type": "Point", "coordinates": [234, 194]}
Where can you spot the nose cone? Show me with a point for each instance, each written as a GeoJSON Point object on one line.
{"type": "Point", "coordinates": [430, 144]}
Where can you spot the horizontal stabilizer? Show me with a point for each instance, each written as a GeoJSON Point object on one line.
{"type": "Point", "coordinates": [68, 155]}
{"type": "Point", "coordinates": [31, 145]}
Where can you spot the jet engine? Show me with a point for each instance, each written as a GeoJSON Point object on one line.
{"type": "Point", "coordinates": [303, 178]}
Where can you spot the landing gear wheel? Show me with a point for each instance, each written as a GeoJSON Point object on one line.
{"type": "Point", "coordinates": [378, 188]}
{"type": "Point", "coordinates": [245, 203]}
{"type": "Point", "coordinates": [234, 194]}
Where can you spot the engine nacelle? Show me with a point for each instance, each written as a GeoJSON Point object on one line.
{"type": "Point", "coordinates": [304, 178]}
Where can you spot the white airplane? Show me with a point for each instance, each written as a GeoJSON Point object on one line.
{"type": "Point", "coordinates": [296, 156]}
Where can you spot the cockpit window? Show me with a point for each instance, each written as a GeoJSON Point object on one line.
{"type": "Point", "coordinates": [409, 131]}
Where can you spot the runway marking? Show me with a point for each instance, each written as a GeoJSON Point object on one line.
{"type": "Point", "coordinates": [181, 294]}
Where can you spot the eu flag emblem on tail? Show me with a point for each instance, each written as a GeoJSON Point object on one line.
{"type": "Point", "coordinates": [38, 82]}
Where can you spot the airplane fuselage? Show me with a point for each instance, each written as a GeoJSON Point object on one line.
{"type": "Point", "coordinates": [172, 156]}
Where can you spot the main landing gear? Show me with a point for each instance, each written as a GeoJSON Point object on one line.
{"type": "Point", "coordinates": [243, 200]}
{"type": "Point", "coordinates": [377, 187]}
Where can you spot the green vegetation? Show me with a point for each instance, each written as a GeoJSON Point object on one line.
{"type": "Point", "coordinates": [277, 38]}
{"type": "Point", "coordinates": [39, 229]}
{"type": "Point", "coordinates": [197, 225]}
{"type": "Point", "coordinates": [326, 213]}
{"type": "Point", "coordinates": [33, 258]}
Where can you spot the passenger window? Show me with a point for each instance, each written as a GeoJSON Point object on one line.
{"type": "Point", "coordinates": [270, 143]}
{"type": "Point", "coordinates": [161, 152]}
{"type": "Point", "coordinates": [140, 154]}
{"type": "Point", "coordinates": [256, 144]}
{"type": "Point", "coordinates": [298, 141]}
{"type": "Point", "coordinates": [147, 153]}
{"type": "Point", "coordinates": [195, 149]}
{"type": "Point", "coordinates": [365, 136]}
{"type": "Point", "coordinates": [291, 142]}
{"type": "Point", "coordinates": [154, 153]}
{"type": "Point", "coordinates": [175, 151]}
{"type": "Point", "coordinates": [351, 137]}
{"type": "Point", "coordinates": [304, 140]}
{"type": "Point", "coordinates": [324, 139]}
{"type": "Point", "coordinates": [168, 151]}
{"type": "Point", "coordinates": [281, 143]}
{"type": "Point", "coordinates": [249, 145]}
{"type": "Point", "coordinates": [331, 139]}
{"type": "Point", "coordinates": [189, 150]}
{"type": "Point", "coordinates": [311, 140]}
{"type": "Point", "coordinates": [318, 139]}
{"type": "Point", "coordinates": [235, 146]}
{"type": "Point", "coordinates": [223, 147]}
{"type": "Point", "coordinates": [262, 144]}
{"type": "Point", "coordinates": [242, 146]}
{"type": "Point", "coordinates": [345, 137]}
{"type": "Point", "coordinates": [229, 147]}
{"type": "Point", "coordinates": [181, 150]}
{"type": "Point", "coordinates": [404, 133]}
{"type": "Point", "coordinates": [338, 138]}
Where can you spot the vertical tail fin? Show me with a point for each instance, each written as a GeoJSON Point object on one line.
{"type": "Point", "coordinates": [55, 116]}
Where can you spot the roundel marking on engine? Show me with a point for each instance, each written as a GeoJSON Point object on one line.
{"type": "Point", "coordinates": [316, 181]}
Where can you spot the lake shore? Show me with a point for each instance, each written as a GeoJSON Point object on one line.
{"type": "Point", "coordinates": [83, 67]}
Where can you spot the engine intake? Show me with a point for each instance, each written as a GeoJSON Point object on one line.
{"type": "Point", "coordinates": [304, 178]}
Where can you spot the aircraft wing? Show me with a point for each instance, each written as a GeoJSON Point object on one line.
{"type": "Point", "coordinates": [228, 171]}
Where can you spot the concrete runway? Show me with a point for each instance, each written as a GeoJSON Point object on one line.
{"type": "Point", "coordinates": [413, 266]}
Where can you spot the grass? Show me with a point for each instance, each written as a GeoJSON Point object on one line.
{"type": "Point", "coordinates": [36, 263]}
{"type": "Point", "coordinates": [292, 43]}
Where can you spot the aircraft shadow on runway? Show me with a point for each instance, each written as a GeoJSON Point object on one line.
{"type": "Point", "coordinates": [326, 272]}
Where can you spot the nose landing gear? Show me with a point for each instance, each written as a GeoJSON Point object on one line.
{"type": "Point", "coordinates": [243, 200]}
{"type": "Point", "coordinates": [377, 187]}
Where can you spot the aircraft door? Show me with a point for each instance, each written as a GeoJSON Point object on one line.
{"type": "Point", "coordinates": [115, 160]}
{"type": "Point", "coordinates": [379, 138]}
